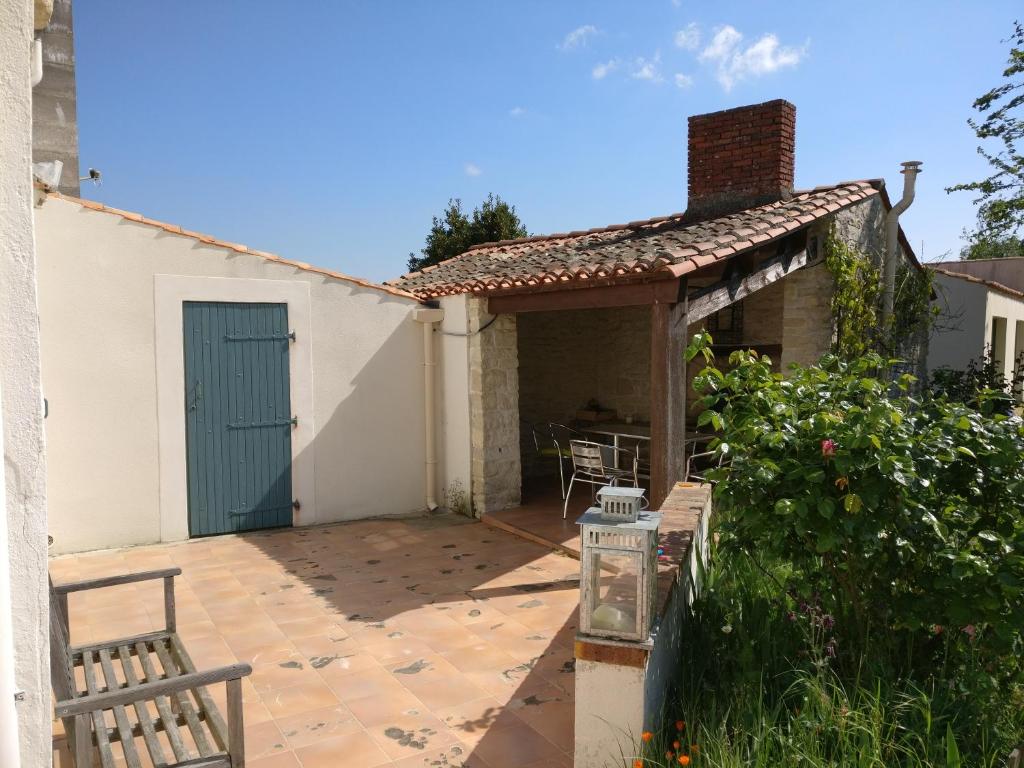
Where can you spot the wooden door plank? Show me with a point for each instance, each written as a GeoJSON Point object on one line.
{"type": "Point", "coordinates": [99, 723]}
{"type": "Point", "coordinates": [156, 750]}
{"type": "Point", "coordinates": [184, 703]}
{"type": "Point", "coordinates": [124, 726]}
{"type": "Point", "coordinates": [167, 718]}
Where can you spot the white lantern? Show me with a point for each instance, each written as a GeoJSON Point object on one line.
{"type": "Point", "coordinates": [619, 576]}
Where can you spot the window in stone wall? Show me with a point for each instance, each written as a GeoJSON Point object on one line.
{"type": "Point", "coordinates": [726, 325]}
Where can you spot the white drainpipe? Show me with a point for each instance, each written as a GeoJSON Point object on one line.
{"type": "Point", "coordinates": [428, 317]}
{"type": "Point", "coordinates": [892, 230]}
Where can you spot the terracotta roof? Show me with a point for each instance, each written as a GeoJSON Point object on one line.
{"type": "Point", "coordinates": [670, 244]}
{"type": "Point", "coordinates": [980, 281]}
{"type": "Point", "coordinates": [236, 247]}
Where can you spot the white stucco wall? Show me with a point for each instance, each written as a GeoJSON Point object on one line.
{"type": "Point", "coordinates": [24, 475]}
{"type": "Point", "coordinates": [453, 434]}
{"type": "Point", "coordinates": [110, 298]}
{"type": "Point", "coordinates": [967, 309]}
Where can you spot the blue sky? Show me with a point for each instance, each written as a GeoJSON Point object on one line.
{"type": "Point", "coordinates": [332, 132]}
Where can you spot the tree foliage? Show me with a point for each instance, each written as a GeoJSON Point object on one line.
{"type": "Point", "coordinates": [455, 232]}
{"type": "Point", "coordinates": [1001, 195]}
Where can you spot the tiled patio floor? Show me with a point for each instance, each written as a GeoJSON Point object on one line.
{"type": "Point", "coordinates": [430, 642]}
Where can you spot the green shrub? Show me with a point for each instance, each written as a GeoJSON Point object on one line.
{"type": "Point", "coordinates": [901, 520]}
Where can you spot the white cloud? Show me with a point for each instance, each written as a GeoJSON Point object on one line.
{"type": "Point", "coordinates": [517, 112]}
{"type": "Point", "coordinates": [578, 37]}
{"type": "Point", "coordinates": [683, 81]}
{"type": "Point", "coordinates": [648, 69]}
{"type": "Point", "coordinates": [688, 38]}
{"type": "Point", "coordinates": [472, 170]}
{"type": "Point", "coordinates": [722, 44]}
{"type": "Point", "coordinates": [600, 71]}
{"type": "Point", "coordinates": [735, 62]}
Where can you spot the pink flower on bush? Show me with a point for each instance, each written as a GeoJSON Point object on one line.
{"type": "Point", "coordinates": [828, 449]}
{"type": "Point", "coordinates": [970, 631]}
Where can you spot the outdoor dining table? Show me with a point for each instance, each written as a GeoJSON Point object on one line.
{"type": "Point", "coordinates": [619, 431]}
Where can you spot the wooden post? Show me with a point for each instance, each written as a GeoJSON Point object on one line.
{"type": "Point", "coordinates": [668, 397]}
{"type": "Point", "coordinates": [169, 614]}
{"type": "Point", "coordinates": [236, 731]}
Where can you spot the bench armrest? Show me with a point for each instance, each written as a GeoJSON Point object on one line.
{"type": "Point", "coordinates": [149, 691]}
{"type": "Point", "coordinates": [113, 581]}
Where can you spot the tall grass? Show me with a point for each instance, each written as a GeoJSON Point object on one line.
{"type": "Point", "coordinates": [761, 686]}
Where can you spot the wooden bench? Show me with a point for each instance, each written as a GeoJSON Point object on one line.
{"type": "Point", "coordinates": [149, 676]}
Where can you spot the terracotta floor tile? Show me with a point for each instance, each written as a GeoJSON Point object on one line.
{"type": "Point", "coordinates": [455, 756]}
{"type": "Point", "coordinates": [354, 750]}
{"type": "Point", "coordinates": [471, 720]}
{"type": "Point", "coordinates": [436, 682]}
{"type": "Point", "coordinates": [408, 735]}
{"type": "Point", "coordinates": [263, 739]}
{"type": "Point", "coordinates": [284, 702]}
{"type": "Point", "coordinates": [377, 709]}
{"type": "Point", "coordinates": [368, 682]}
{"type": "Point", "coordinates": [312, 626]}
{"type": "Point", "coordinates": [317, 724]}
{"type": "Point", "coordinates": [515, 746]}
{"type": "Point", "coordinates": [269, 677]}
{"type": "Point", "coordinates": [280, 760]}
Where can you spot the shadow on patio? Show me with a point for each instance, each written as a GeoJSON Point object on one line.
{"type": "Point", "coordinates": [433, 641]}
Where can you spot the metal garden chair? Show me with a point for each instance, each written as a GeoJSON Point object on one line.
{"type": "Point", "coordinates": [589, 466]}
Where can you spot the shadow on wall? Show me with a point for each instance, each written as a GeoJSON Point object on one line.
{"type": "Point", "coordinates": [369, 453]}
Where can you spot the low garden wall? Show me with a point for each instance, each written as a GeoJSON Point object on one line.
{"type": "Point", "coordinates": [621, 687]}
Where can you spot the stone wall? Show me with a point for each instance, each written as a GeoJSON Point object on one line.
{"type": "Point", "coordinates": [569, 357]}
{"type": "Point", "coordinates": [494, 409]}
{"type": "Point", "coordinates": [807, 316]}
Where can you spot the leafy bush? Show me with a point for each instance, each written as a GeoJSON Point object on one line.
{"type": "Point", "coordinates": [901, 518]}
{"type": "Point", "coordinates": [982, 377]}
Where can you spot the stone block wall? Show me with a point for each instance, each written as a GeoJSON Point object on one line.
{"type": "Point", "coordinates": [494, 410]}
{"type": "Point", "coordinates": [807, 316]}
{"type": "Point", "coordinates": [568, 357]}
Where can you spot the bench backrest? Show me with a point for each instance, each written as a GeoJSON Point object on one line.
{"type": "Point", "coordinates": [62, 671]}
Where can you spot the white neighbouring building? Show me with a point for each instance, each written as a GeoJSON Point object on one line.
{"type": "Point", "coordinates": [978, 314]}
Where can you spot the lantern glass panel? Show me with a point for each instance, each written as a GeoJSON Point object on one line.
{"type": "Point", "coordinates": [613, 600]}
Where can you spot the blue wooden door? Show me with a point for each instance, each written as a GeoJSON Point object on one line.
{"type": "Point", "coordinates": [238, 420]}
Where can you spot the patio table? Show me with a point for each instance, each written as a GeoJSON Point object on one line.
{"type": "Point", "coordinates": [639, 432]}
{"type": "Point", "coordinates": [617, 431]}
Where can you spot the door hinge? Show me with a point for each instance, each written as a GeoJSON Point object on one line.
{"type": "Point", "coordinates": [296, 505]}
{"type": "Point", "coordinates": [19, 695]}
{"type": "Point", "coordinates": [295, 421]}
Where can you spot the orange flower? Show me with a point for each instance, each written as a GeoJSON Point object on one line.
{"type": "Point", "coordinates": [638, 763]}
{"type": "Point", "coordinates": [646, 736]}
{"type": "Point", "coordinates": [842, 483]}
{"type": "Point", "coordinates": [680, 724]}
{"type": "Point", "coordinates": [675, 745]}
{"type": "Point", "coordinates": [684, 759]}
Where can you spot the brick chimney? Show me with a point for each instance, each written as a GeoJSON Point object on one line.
{"type": "Point", "coordinates": [740, 158]}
